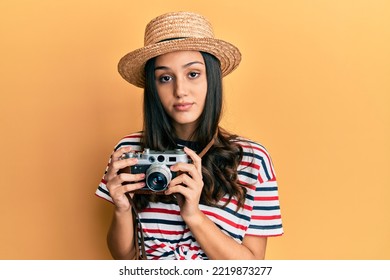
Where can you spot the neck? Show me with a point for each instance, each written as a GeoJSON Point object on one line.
{"type": "Point", "coordinates": [184, 132]}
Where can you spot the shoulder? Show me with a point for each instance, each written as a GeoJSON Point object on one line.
{"type": "Point", "coordinates": [134, 140]}
{"type": "Point", "coordinates": [256, 155]}
{"type": "Point", "coordinates": [252, 148]}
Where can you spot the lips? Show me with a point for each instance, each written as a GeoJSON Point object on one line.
{"type": "Point", "coordinates": [183, 106]}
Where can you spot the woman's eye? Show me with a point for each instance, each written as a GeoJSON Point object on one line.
{"type": "Point", "coordinates": [165, 79]}
{"type": "Point", "coordinates": [193, 75]}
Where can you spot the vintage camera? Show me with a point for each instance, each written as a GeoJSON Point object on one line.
{"type": "Point", "coordinates": [155, 165]}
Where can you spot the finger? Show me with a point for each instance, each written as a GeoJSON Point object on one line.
{"type": "Point", "coordinates": [179, 180]}
{"type": "Point", "coordinates": [118, 193]}
{"type": "Point", "coordinates": [133, 187]}
{"type": "Point", "coordinates": [122, 179]}
{"type": "Point", "coordinates": [129, 178]}
{"type": "Point", "coordinates": [118, 153]}
{"type": "Point", "coordinates": [187, 168]}
{"type": "Point", "coordinates": [115, 156]}
{"type": "Point", "coordinates": [116, 166]}
{"type": "Point", "coordinates": [120, 164]}
{"type": "Point", "coordinates": [196, 160]}
{"type": "Point", "coordinates": [186, 181]}
{"type": "Point", "coordinates": [123, 183]}
{"type": "Point", "coordinates": [178, 189]}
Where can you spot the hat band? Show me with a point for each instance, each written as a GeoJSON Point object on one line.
{"type": "Point", "coordinates": [170, 39]}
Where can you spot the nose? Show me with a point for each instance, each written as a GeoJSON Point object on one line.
{"type": "Point", "coordinates": [180, 89]}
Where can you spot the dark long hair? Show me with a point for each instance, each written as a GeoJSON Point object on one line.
{"type": "Point", "coordinates": [219, 164]}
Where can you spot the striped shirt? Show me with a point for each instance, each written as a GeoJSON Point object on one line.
{"type": "Point", "coordinates": [168, 237]}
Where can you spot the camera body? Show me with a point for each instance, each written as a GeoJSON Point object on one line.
{"type": "Point", "coordinates": [155, 165]}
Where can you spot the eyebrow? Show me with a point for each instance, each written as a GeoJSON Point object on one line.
{"type": "Point", "coordinates": [184, 66]}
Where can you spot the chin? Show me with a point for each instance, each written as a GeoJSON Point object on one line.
{"type": "Point", "coordinates": [185, 121]}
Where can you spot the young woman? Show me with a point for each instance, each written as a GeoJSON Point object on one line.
{"type": "Point", "coordinates": [222, 203]}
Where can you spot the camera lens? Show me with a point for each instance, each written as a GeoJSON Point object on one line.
{"type": "Point", "coordinates": [157, 182]}
{"type": "Point", "coordinates": [158, 177]}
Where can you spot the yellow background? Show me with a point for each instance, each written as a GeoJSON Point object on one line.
{"type": "Point", "coordinates": [313, 87]}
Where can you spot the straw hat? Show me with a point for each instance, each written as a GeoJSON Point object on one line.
{"type": "Point", "coordinates": [174, 32]}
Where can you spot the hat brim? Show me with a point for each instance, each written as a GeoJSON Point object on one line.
{"type": "Point", "coordinates": [131, 66]}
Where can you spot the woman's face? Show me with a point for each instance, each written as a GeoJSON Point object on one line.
{"type": "Point", "coordinates": [182, 87]}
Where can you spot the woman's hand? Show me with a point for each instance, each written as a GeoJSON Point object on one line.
{"type": "Point", "coordinates": [188, 185]}
{"type": "Point", "coordinates": [114, 181]}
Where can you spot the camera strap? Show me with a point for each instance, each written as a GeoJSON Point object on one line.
{"type": "Point", "coordinates": [137, 240]}
{"type": "Point", "coordinates": [208, 146]}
